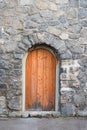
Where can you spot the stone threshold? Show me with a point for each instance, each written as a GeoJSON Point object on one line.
{"type": "Point", "coordinates": [39, 114]}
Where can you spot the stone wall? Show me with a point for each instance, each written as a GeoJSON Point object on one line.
{"type": "Point", "coordinates": [61, 24]}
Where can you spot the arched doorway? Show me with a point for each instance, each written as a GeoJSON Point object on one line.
{"type": "Point", "coordinates": [40, 93]}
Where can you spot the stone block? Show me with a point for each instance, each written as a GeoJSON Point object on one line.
{"type": "Point", "coordinates": [84, 23]}
{"type": "Point", "coordinates": [30, 25]}
{"type": "Point", "coordinates": [68, 109]}
{"type": "Point", "coordinates": [47, 14]}
{"type": "Point", "coordinates": [79, 100]}
{"type": "Point", "coordinates": [2, 102]}
{"type": "Point", "coordinates": [72, 14]}
{"type": "Point", "coordinates": [74, 3]}
{"type": "Point", "coordinates": [53, 31]}
{"type": "Point", "coordinates": [36, 18]}
{"type": "Point", "coordinates": [64, 36]}
{"type": "Point", "coordinates": [66, 55]}
{"type": "Point", "coordinates": [15, 103]}
{"type": "Point", "coordinates": [52, 6]}
{"type": "Point", "coordinates": [26, 2]}
{"type": "Point", "coordinates": [83, 3]}
{"type": "Point", "coordinates": [42, 4]}
{"type": "Point", "coordinates": [82, 13]}
{"type": "Point", "coordinates": [61, 1]}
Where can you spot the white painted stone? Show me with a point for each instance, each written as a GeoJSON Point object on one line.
{"type": "Point", "coordinates": [26, 2]}
{"type": "Point", "coordinates": [67, 90]}
{"type": "Point", "coordinates": [54, 31]}
{"type": "Point", "coordinates": [52, 6]}
{"type": "Point", "coordinates": [61, 1]}
{"type": "Point", "coordinates": [41, 4]}
{"type": "Point", "coordinates": [2, 102]}
{"type": "Point", "coordinates": [64, 36]}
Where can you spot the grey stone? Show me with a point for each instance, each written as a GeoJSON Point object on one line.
{"type": "Point", "coordinates": [33, 39]}
{"type": "Point", "coordinates": [62, 19]}
{"type": "Point", "coordinates": [76, 49]}
{"type": "Point", "coordinates": [66, 55]}
{"type": "Point", "coordinates": [30, 25]}
{"type": "Point", "coordinates": [82, 13]}
{"type": "Point", "coordinates": [16, 84]}
{"type": "Point", "coordinates": [74, 36]}
{"type": "Point", "coordinates": [42, 28]}
{"type": "Point", "coordinates": [72, 14]}
{"type": "Point", "coordinates": [14, 114]}
{"type": "Point", "coordinates": [4, 36]}
{"type": "Point", "coordinates": [3, 64]}
{"type": "Point", "coordinates": [2, 72]}
{"type": "Point", "coordinates": [69, 44]}
{"type": "Point", "coordinates": [79, 100]}
{"type": "Point", "coordinates": [15, 103]}
{"type": "Point", "coordinates": [84, 23]}
{"type": "Point", "coordinates": [23, 47]}
{"type": "Point", "coordinates": [16, 72]}
{"type": "Point", "coordinates": [68, 109]}
{"type": "Point", "coordinates": [53, 23]}
{"type": "Point", "coordinates": [2, 102]}
{"type": "Point", "coordinates": [83, 62]}
{"type": "Point", "coordinates": [47, 14]}
{"type": "Point", "coordinates": [36, 18]}
{"type": "Point", "coordinates": [82, 113]}
{"type": "Point", "coordinates": [3, 112]}
{"type": "Point", "coordinates": [27, 2]}
{"type": "Point", "coordinates": [11, 31]}
{"type": "Point", "coordinates": [83, 3]}
{"type": "Point", "coordinates": [75, 28]}
{"type": "Point", "coordinates": [82, 77]}
{"type": "Point", "coordinates": [83, 33]}
{"type": "Point", "coordinates": [3, 86]}
{"type": "Point", "coordinates": [2, 4]}
{"type": "Point", "coordinates": [18, 56]}
{"type": "Point", "coordinates": [74, 3]}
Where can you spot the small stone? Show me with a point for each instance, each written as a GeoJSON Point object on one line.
{"type": "Point", "coordinates": [83, 3]}
{"type": "Point", "coordinates": [64, 36]}
{"type": "Point", "coordinates": [52, 6]}
{"type": "Point", "coordinates": [72, 14]}
{"type": "Point", "coordinates": [14, 114]}
{"type": "Point", "coordinates": [84, 23]}
{"type": "Point", "coordinates": [36, 18]}
{"type": "Point", "coordinates": [66, 55]}
{"type": "Point", "coordinates": [76, 49]}
{"type": "Point", "coordinates": [53, 31]}
{"type": "Point", "coordinates": [83, 33]}
{"type": "Point", "coordinates": [82, 13]}
{"type": "Point", "coordinates": [74, 36]}
{"type": "Point", "coordinates": [68, 109]}
{"type": "Point", "coordinates": [15, 103]}
{"type": "Point", "coordinates": [79, 100]}
{"type": "Point", "coordinates": [61, 1]}
{"type": "Point", "coordinates": [11, 31]}
{"type": "Point", "coordinates": [41, 4]}
{"type": "Point", "coordinates": [2, 102]}
{"type": "Point", "coordinates": [26, 2]}
{"type": "Point", "coordinates": [47, 14]}
{"type": "Point", "coordinates": [74, 3]}
{"type": "Point", "coordinates": [30, 25]}
{"type": "Point", "coordinates": [43, 27]}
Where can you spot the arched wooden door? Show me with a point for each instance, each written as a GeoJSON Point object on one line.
{"type": "Point", "coordinates": [40, 80]}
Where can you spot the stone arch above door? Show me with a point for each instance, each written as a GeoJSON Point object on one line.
{"type": "Point", "coordinates": [28, 41]}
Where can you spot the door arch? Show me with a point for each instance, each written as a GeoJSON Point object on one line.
{"type": "Point", "coordinates": [40, 92]}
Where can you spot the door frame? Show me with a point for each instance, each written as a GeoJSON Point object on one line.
{"type": "Point", "coordinates": [24, 76]}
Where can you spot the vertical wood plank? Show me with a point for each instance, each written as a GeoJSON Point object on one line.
{"type": "Point", "coordinates": [40, 80]}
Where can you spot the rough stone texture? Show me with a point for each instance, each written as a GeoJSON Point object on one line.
{"type": "Point", "coordinates": [57, 24]}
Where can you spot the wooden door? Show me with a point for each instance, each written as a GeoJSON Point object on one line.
{"type": "Point", "coordinates": [40, 80]}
